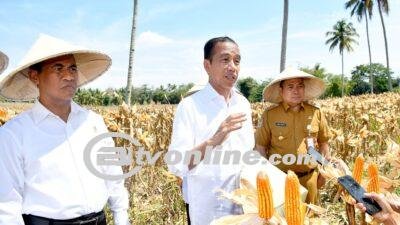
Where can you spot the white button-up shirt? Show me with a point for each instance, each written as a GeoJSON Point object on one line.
{"type": "Point", "coordinates": [197, 119]}
{"type": "Point", "coordinates": [42, 169]}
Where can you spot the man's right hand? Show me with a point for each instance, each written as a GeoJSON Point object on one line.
{"type": "Point", "coordinates": [387, 215]}
{"type": "Point", "coordinates": [231, 123]}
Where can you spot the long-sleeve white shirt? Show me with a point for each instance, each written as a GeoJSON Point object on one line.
{"type": "Point", "coordinates": [197, 119]}
{"type": "Point", "coordinates": [42, 169]}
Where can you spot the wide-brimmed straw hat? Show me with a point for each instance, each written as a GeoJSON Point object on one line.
{"type": "Point", "coordinates": [91, 64]}
{"type": "Point", "coordinates": [3, 62]}
{"type": "Point", "coordinates": [314, 86]}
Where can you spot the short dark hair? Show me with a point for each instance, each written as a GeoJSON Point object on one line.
{"type": "Point", "coordinates": [209, 46]}
{"type": "Point", "coordinates": [37, 67]}
{"type": "Point", "coordinates": [283, 81]}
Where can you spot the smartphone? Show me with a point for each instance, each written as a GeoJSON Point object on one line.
{"type": "Point", "coordinates": [357, 192]}
{"type": "Point", "coordinates": [317, 156]}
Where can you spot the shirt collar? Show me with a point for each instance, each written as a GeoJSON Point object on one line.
{"type": "Point", "coordinates": [286, 106]}
{"type": "Point", "coordinates": [40, 112]}
{"type": "Point", "coordinates": [212, 94]}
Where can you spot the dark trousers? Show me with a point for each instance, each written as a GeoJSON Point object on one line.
{"type": "Point", "coordinates": [187, 213]}
{"type": "Point", "coordinates": [89, 219]}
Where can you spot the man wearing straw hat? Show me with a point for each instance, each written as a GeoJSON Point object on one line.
{"type": "Point", "coordinates": [43, 176]}
{"type": "Point", "coordinates": [286, 126]}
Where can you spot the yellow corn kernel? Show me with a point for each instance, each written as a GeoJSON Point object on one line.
{"type": "Point", "coordinates": [358, 168]}
{"type": "Point", "coordinates": [293, 209]}
{"type": "Point", "coordinates": [373, 182]}
{"type": "Point", "coordinates": [265, 201]}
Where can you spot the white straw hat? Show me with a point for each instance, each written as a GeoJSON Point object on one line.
{"type": "Point", "coordinates": [3, 62]}
{"type": "Point", "coordinates": [314, 86]}
{"type": "Point", "coordinates": [91, 64]}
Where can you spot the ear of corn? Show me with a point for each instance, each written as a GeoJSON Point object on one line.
{"type": "Point", "coordinates": [265, 201]}
{"type": "Point", "coordinates": [358, 168]}
{"type": "Point", "coordinates": [293, 209]}
{"type": "Point", "coordinates": [373, 182]}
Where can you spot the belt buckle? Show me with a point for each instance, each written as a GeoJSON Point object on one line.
{"type": "Point", "coordinates": [89, 221]}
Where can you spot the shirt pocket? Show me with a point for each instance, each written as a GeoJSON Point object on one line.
{"type": "Point", "coordinates": [280, 136]}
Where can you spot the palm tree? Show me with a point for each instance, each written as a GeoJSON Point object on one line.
{"type": "Point", "coordinates": [131, 55]}
{"type": "Point", "coordinates": [284, 34]}
{"type": "Point", "coordinates": [363, 8]}
{"type": "Point", "coordinates": [342, 35]}
{"type": "Point", "coordinates": [317, 70]}
{"type": "Point", "coordinates": [383, 6]}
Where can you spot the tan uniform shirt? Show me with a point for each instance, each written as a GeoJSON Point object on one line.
{"type": "Point", "coordinates": [283, 132]}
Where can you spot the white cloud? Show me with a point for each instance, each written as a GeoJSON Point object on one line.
{"type": "Point", "coordinates": [306, 34]}
{"type": "Point", "coordinates": [152, 39]}
{"type": "Point", "coordinates": [162, 58]}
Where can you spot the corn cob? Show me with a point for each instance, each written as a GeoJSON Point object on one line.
{"type": "Point", "coordinates": [357, 175]}
{"type": "Point", "coordinates": [293, 209]}
{"type": "Point", "coordinates": [373, 182]}
{"type": "Point", "coordinates": [358, 168]}
{"type": "Point", "coordinates": [265, 201]}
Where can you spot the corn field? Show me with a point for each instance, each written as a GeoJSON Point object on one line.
{"type": "Point", "coordinates": [367, 124]}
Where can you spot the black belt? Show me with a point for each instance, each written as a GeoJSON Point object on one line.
{"type": "Point", "coordinates": [89, 219]}
{"type": "Point", "coordinates": [187, 213]}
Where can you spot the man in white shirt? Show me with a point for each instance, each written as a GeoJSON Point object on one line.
{"type": "Point", "coordinates": [214, 119]}
{"type": "Point", "coordinates": [44, 179]}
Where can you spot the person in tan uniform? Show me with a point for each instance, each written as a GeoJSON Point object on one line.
{"type": "Point", "coordinates": [286, 125]}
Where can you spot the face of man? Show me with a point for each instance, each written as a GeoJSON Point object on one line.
{"type": "Point", "coordinates": [292, 91]}
{"type": "Point", "coordinates": [224, 66]}
{"type": "Point", "coordinates": [57, 82]}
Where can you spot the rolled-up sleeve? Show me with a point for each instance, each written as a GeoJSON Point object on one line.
{"type": "Point", "coordinates": [181, 140]}
{"type": "Point", "coordinates": [12, 179]}
{"type": "Point", "coordinates": [324, 132]}
{"type": "Point", "coordinates": [263, 133]}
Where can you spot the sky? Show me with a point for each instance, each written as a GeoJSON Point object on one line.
{"type": "Point", "coordinates": [171, 34]}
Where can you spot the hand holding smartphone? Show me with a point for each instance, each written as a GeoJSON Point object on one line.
{"type": "Point", "coordinates": [357, 192]}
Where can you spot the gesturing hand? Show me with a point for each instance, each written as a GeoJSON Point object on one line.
{"type": "Point", "coordinates": [231, 123]}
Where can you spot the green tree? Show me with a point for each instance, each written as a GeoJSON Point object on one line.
{"type": "Point", "coordinates": [335, 86]}
{"type": "Point", "coordinates": [360, 75]}
{"type": "Point", "coordinates": [160, 96]}
{"type": "Point", "coordinates": [342, 35]}
{"type": "Point", "coordinates": [317, 70]}
{"type": "Point", "coordinates": [256, 94]}
{"type": "Point", "coordinates": [246, 85]}
{"type": "Point", "coordinates": [363, 8]}
{"type": "Point", "coordinates": [141, 95]}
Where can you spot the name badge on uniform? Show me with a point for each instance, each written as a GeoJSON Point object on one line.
{"type": "Point", "coordinates": [280, 124]}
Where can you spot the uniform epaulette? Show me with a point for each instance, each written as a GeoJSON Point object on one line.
{"type": "Point", "coordinates": [314, 104]}
{"type": "Point", "coordinates": [272, 106]}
